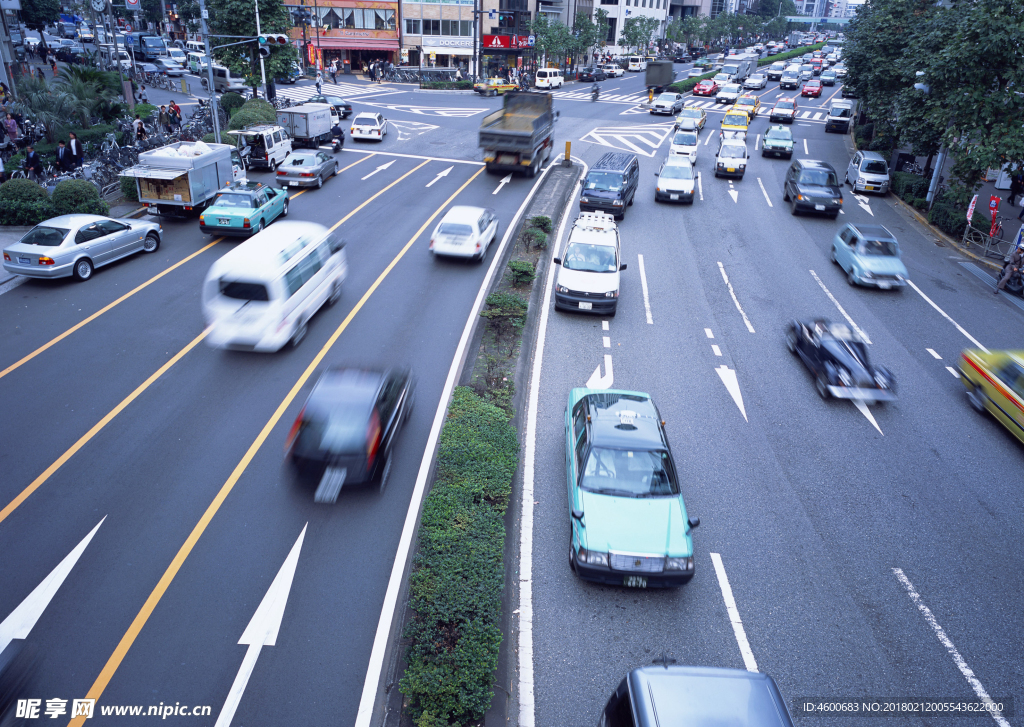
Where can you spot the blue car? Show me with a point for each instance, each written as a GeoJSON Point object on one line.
{"type": "Point", "coordinates": [293, 75]}
{"type": "Point", "coordinates": [869, 255]}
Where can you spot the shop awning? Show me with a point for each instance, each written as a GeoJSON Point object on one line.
{"type": "Point", "coordinates": [358, 43]}
{"type": "Point", "coordinates": [448, 51]}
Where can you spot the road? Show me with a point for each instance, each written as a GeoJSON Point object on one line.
{"type": "Point", "coordinates": [132, 421]}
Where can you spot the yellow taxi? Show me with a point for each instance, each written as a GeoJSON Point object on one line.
{"type": "Point", "coordinates": [995, 383]}
{"type": "Point", "coordinates": [735, 123]}
{"type": "Point", "coordinates": [493, 86]}
{"type": "Point", "coordinates": [748, 103]}
{"type": "Point", "coordinates": [693, 112]}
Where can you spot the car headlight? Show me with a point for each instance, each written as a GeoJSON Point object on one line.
{"type": "Point", "coordinates": [584, 200]}
{"type": "Point", "coordinates": [867, 275]}
{"type": "Point", "coordinates": [561, 289]}
{"type": "Point", "coordinates": [721, 165]}
{"type": "Point", "coordinates": [592, 558]}
{"type": "Point", "coordinates": [612, 294]}
{"type": "Point", "coordinates": [845, 377]}
{"type": "Point", "coordinates": [681, 564]}
{"type": "Point", "coordinates": [743, 166]}
{"type": "Point", "coordinates": [800, 198]}
{"type": "Point", "coordinates": [616, 202]}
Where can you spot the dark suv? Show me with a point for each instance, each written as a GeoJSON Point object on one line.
{"type": "Point", "coordinates": [592, 73]}
{"type": "Point", "coordinates": [611, 184]}
{"type": "Point", "coordinates": [813, 186]}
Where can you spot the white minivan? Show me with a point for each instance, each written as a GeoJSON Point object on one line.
{"type": "Point", "coordinates": [261, 295]}
{"type": "Point", "coordinates": [637, 63]}
{"type": "Point", "coordinates": [588, 273]}
{"type": "Point", "coordinates": [549, 78]}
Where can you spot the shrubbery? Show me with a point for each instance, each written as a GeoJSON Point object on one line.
{"type": "Point", "coordinates": [447, 85]}
{"type": "Point", "coordinates": [231, 101]}
{"type": "Point", "coordinates": [75, 195]}
{"type": "Point", "coordinates": [21, 190]}
{"type": "Point", "coordinates": [243, 118]}
{"type": "Point", "coordinates": [263, 109]}
{"type": "Point", "coordinates": [458, 575]}
{"type": "Point", "coordinates": [129, 189]}
{"type": "Point", "coordinates": [26, 203]}
{"type": "Point", "coordinates": [908, 186]}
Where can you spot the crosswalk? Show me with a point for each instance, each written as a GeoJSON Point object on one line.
{"type": "Point", "coordinates": [633, 98]}
{"type": "Point", "coordinates": [708, 104]}
{"type": "Point", "coordinates": [711, 105]}
{"type": "Point", "coordinates": [348, 91]}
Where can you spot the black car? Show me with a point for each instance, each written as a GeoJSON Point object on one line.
{"type": "Point", "coordinates": [681, 58]}
{"type": "Point", "coordinates": [345, 431]}
{"type": "Point", "coordinates": [812, 186]}
{"type": "Point", "coordinates": [70, 54]}
{"type": "Point", "coordinates": [343, 107]}
{"type": "Point", "coordinates": [592, 73]}
{"type": "Point", "coordinates": [837, 357]}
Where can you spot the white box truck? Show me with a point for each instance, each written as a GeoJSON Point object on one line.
{"type": "Point", "coordinates": [740, 66]}
{"type": "Point", "coordinates": [308, 124]}
{"type": "Point", "coordinates": [180, 179]}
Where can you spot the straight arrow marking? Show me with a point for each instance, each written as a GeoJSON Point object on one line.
{"type": "Point", "coordinates": [735, 195]}
{"type": "Point", "coordinates": [596, 381]}
{"type": "Point", "coordinates": [262, 629]}
{"type": "Point", "coordinates": [21, 620]}
{"type": "Point", "coordinates": [867, 413]}
{"type": "Point", "coordinates": [382, 166]}
{"type": "Point", "coordinates": [439, 175]}
{"type": "Point", "coordinates": [728, 377]}
{"type": "Point", "coordinates": [502, 183]}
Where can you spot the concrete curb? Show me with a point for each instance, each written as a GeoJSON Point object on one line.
{"type": "Point", "coordinates": [464, 92]}
{"type": "Point", "coordinates": [944, 237]}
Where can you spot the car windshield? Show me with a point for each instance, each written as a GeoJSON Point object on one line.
{"type": "Point", "coordinates": [781, 134]}
{"type": "Point", "coordinates": [604, 181]}
{"type": "Point", "coordinates": [734, 120]}
{"type": "Point", "coordinates": [455, 230]}
{"type": "Point", "coordinates": [757, 77]}
{"type": "Point", "coordinates": [685, 138]}
{"type": "Point", "coordinates": [241, 290]}
{"type": "Point", "coordinates": [677, 171]}
{"type": "Point", "coordinates": [629, 473]}
{"type": "Point", "coordinates": [788, 105]}
{"type": "Point", "coordinates": [743, 101]}
{"type": "Point", "coordinates": [237, 201]}
{"type": "Point", "coordinates": [819, 178]}
{"type": "Point", "coordinates": [842, 113]}
{"type": "Point", "coordinates": [589, 258]}
{"type": "Point", "coordinates": [45, 236]}
{"type": "Point", "coordinates": [731, 151]}
{"type": "Point", "coordinates": [667, 97]}
{"type": "Point", "coordinates": [301, 160]}
{"type": "Point", "coordinates": [881, 248]}
{"type": "Point", "coordinates": [691, 113]}
{"type": "Point", "coordinates": [731, 88]}
{"type": "Point", "coordinates": [778, 66]}
{"type": "Point", "coordinates": [806, 67]}
{"type": "Point", "coordinates": [874, 167]}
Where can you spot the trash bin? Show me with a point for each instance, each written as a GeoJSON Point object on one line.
{"type": "Point", "coordinates": [346, 66]}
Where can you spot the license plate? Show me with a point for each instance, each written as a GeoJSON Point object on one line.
{"type": "Point", "coordinates": [673, 197]}
{"type": "Point", "coordinates": [819, 207]}
{"type": "Point", "coordinates": [884, 286]}
{"type": "Point", "coordinates": [870, 189]}
{"type": "Point", "coordinates": [506, 159]}
{"type": "Point", "coordinates": [293, 184]}
{"type": "Point", "coordinates": [223, 221]}
{"type": "Point", "coordinates": [730, 169]}
{"type": "Point", "coordinates": [25, 260]}
{"type": "Point", "coordinates": [635, 582]}
{"type": "Point", "coordinates": [586, 306]}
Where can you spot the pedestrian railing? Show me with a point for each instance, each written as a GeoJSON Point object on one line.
{"type": "Point", "coordinates": [987, 245]}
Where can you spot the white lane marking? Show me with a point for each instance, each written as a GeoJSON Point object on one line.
{"type": "Point", "coordinates": [20, 621]}
{"type": "Point", "coordinates": [604, 325]}
{"type": "Point", "coordinates": [707, 140]}
{"type": "Point", "coordinates": [842, 310]}
{"type": "Point", "coordinates": [732, 385]}
{"type": "Point", "coordinates": [943, 313]}
{"type": "Point", "coordinates": [381, 167]}
{"type": "Point", "coordinates": [864, 202]}
{"type": "Point", "coordinates": [734, 298]}
{"type": "Point", "coordinates": [716, 349]}
{"type": "Point", "coordinates": [502, 183]}
{"type": "Point", "coordinates": [412, 156]}
{"type": "Point", "coordinates": [953, 371]}
{"type": "Point", "coordinates": [863, 408]}
{"type": "Point", "coordinates": [643, 284]}
{"type": "Point", "coordinates": [262, 629]}
{"type": "Point", "coordinates": [757, 140]}
{"type": "Point", "coordinates": [764, 192]}
{"type": "Point", "coordinates": [12, 284]}
{"type": "Point", "coordinates": [596, 381]}
{"type": "Point", "coordinates": [439, 175]}
{"type": "Point", "coordinates": [934, 355]}
{"type": "Point", "coordinates": [375, 666]}
{"type": "Point", "coordinates": [805, 147]}
{"type": "Point", "coordinates": [975, 683]}
{"type": "Point", "coordinates": [527, 716]}
{"type": "Point", "coordinates": [700, 187]}
{"type": "Point", "coordinates": [708, 333]}
{"type": "Point", "coordinates": [607, 341]}
{"type": "Point", "coordinates": [735, 196]}
{"type": "Point", "coordinates": [734, 614]}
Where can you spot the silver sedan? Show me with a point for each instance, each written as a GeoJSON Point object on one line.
{"type": "Point", "coordinates": [306, 169]}
{"type": "Point", "coordinates": [77, 244]}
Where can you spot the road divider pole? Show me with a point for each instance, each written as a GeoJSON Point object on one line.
{"type": "Point", "coordinates": [567, 162]}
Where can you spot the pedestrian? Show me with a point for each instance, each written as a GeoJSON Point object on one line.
{"type": "Point", "coordinates": [143, 97]}
{"type": "Point", "coordinates": [11, 126]}
{"type": "Point", "coordinates": [174, 111]}
{"type": "Point", "coordinates": [380, 72]}
{"type": "Point", "coordinates": [1012, 265]}
{"type": "Point", "coordinates": [164, 119]}
{"type": "Point", "coordinates": [319, 82]}
{"type": "Point", "coordinates": [5, 93]}
{"type": "Point", "coordinates": [33, 164]}
{"type": "Point", "coordinates": [53, 66]}
{"type": "Point", "coordinates": [458, 74]}
{"type": "Point", "coordinates": [140, 128]}
{"type": "Point", "coordinates": [75, 148]}
{"type": "Point", "coordinates": [64, 159]}
{"type": "Point", "coordinates": [334, 71]}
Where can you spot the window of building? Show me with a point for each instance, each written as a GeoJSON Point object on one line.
{"type": "Point", "coordinates": [465, 27]}
{"type": "Point", "coordinates": [413, 27]}
{"type": "Point", "coordinates": [611, 30]}
{"type": "Point", "coordinates": [609, 2]}
{"type": "Point", "coordinates": [368, 18]}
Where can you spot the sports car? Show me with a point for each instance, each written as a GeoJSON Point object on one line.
{"type": "Point", "coordinates": [837, 357]}
{"type": "Point", "coordinates": [995, 383]}
{"type": "Point", "coordinates": [707, 87]}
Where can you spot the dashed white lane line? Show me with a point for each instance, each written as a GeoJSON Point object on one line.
{"type": "Point", "coordinates": [716, 349]}
{"type": "Point", "coordinates": [607, 341]}
{"type": "Point", "coordinates": [972, 680]}
{"type": "Point", "coordinates": [604, 325]}
{"type": "Point", "coordinates": [934, 355]}
{"type": "Point", "coordinates": [805, 147]}
{"type": "Point", "coordinates": [764, 192]}
{"type": "Point", "coordinates": [708, 333]}
{"type": "Point", "coordinates": [943, 313]}
{"type": "Point", "coordinates": [734, 298]}
{"type": "Point", "coordinates": [707, 140]}
{"type": "Point", "coordinates": [841, 309]}
{"type": "Point", "coordinates": [734, 615]}
{"type": "Point", "coordinates": [700, 187]}
{"type": "Point", "coordinates": [953, 371]}
{"type": "Point", "coordinates": [643, 284]}
{"type": "Point", "coordinates": [757, 140]}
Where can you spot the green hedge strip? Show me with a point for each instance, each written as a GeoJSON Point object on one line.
{"type": "Point", "coordinates": [458, 572]}
{"type": "Point", "coordinates": [26, 203]}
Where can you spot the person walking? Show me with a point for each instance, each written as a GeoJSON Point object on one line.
{"type": "Point", "coordinates": [1011, 266]}
{"type": "Point", "coordinates": [11, 126]}
{"type": "Point", "coordinates": [334, 71]}
{"type": "Point", "coordinates": [53, 66]}
{"type": "Point", "coordinates": [1016, 187]}
{"type": "Point", "coordinates": [64, 159]}
{"type": "Point", "coordinates": [319, 83]}
{"type": "Point", "coordinates": [164, 119]}
{"type": "Point", "coordinates": [174, 111]}
{"type": "Point", "coordinates": [33, 164]}
{"type": "Point", "coordinates": [75, 149]}
{"type": "Point", "coordinates": [143, 96]}
{"type": "Point", "coordinates": [140, 128]}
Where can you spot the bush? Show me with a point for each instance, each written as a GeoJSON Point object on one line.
{"type": "Point", "coordinates": [506, 314]}
{"type": "Point", "coordinates": [244, 118]}
{"type": "Point", "coordinates": [521, 272]}
{"type": "Point", "coordinates": [129, 189]}
{"type": "Point", "coordinates": [26, 212]}
{"type": "Point", "coordinates": [14, 163]}
{"type": "Point", "coordinates": [231, 101]}
{"type": "Point", "coordinates": [535, 237]}
{"type": "Point", "coordinates": [21, 190]}
{"type": "Point", "coordinates": [796, 52]}
{"type": "Point", "coordinates": [920, 203]}
{"type": "Point", "coordinates": [447, 85]}
{"type": "Point", "coordinates": [908, 186]}
{"type": "Point", "coordinates": [72, 194]}
{"type": "Point", "coordinates": [263, 109]}
{"type": "Point", "coordinates": [541, 222]}
{"type": "Point", "coordinates": [145, 109]}
{"type": "Point", "coordinates": [458, 573]}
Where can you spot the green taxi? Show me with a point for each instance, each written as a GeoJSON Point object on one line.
{"type": "Point", "coordinates": [778, 142]}
{"type": "Point", "coordinates": [995, 383]}
{"type": "Point", "coordinates": [243, 208]}
{"type": "Point", "coordinates": [628, 521]}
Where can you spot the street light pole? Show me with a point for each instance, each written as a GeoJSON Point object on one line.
{"type": "Point", "coordinates": [209, 71]}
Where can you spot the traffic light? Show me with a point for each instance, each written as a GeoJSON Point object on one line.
{"type": "Point", "coordinates": [271, 41]}
{"type": "Point", "coordinates": [302, 16]}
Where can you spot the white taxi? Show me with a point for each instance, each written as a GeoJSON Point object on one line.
{"type": "Point", "coordinates": [465, 232]}
{"type": "Point", "coordinates": [588, 273]}
{"type": "Point", "coordinates": [686, 140]}
{"type": "Point", "coordinates": [369, 125]}
{"type": "Point", "coordinates": [613, 70]}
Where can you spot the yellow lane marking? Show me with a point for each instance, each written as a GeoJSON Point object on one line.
{"type": "Point", "coordinates": [419, 166]}
{"type": "Point", "coordinates": [84, 439]}
{"type": "Point", "coordinates": [103, 310]}
{"type": "Point", "coordinates": [107, 673]}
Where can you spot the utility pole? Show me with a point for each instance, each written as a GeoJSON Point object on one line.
{"type": "Point", "coordinates": [126, 86]}
{"type": "Point", "coordinates": [263, 68]}
{"type": "Point", "coordinates": [209, 70]}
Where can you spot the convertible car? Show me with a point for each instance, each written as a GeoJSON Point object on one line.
{"type": "Point", "coordinates": [838, 359]}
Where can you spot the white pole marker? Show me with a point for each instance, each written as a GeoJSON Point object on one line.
{"type": "Point", "coordinates": [439, 175]}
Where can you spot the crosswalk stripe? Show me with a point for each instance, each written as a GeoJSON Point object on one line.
{"type": "Point", "coordinates": [818, 116]}
{"type": "Point", "coordinates": [805, 114]}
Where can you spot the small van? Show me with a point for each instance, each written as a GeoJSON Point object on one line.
{"type": "Point", "coordinates": [196, 62]}
{"type": "Point", "coordinates": [868, 172]}
{"type": "Point", "coordinates": [268, 144]}
{"type": "Point", "coordinates": [636, 63]}
{"type": "Point", "coordinates": [549, 78]}
{"type": "Point", "coordinates": [195, 46]}
{"type": "Point", "coordinates": [223, 81]}
{"type": "Point", "coordinates": [840, 116]}
{"type": "Point", "coordinates": [261, 295]}
{"type": "Point", "coordinates": [611, 184]}
{"type": "Point", "coordinates": [588, 273]}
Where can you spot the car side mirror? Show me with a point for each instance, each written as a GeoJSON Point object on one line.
{"type": "Point", "coordinates": [622, 267]}
{"type": "Point", "coordinates": [694, 522]}
{"type": "Point", "coordinates": [557, 261]}
{"type": "Point", "coordinates": [577, 515]}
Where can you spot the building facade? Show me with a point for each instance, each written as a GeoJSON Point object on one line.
{"type": "Point", "coordinates": [619, 11]}
{"type": "Point", "coordinates": [352, 32]}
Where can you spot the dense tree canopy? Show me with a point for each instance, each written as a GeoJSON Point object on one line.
{"type": "Point", "coordinates": [38, 13]}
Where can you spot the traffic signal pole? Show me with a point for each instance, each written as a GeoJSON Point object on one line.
{"type": "Point", "coordinates": [263, 69]}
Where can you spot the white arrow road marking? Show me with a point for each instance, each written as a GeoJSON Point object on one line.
{"type": "Point", "coordinates": [502, 183]}
{"type": "Point", "coordinates": [842, 310]}
{"type": "Point", "coordinates": [21, 620]}
{"type": "Point", "coordinates": [728, 377]}
{"type": "Point", "coordinates": [764, 192]}
{"type": "Point", "coordinates": [382, 166]}
{"type": "Point", "coordinates": [643, 284]}
{"type": "Point", "coordinates": [596, 381]}
{"type": "Point", "coordinates": [735, 195]}
{"type": "Point", "coordinates": [867, 413]}
{"type": "Point", "coordinates": [262, 629]}
{"type": "Point", "coordinates": [700, 187]}
{"type": "Point", "coordinates": [439, 175]}
{"type": "Point", "coordinates": [734, 298]}
{"type": "Point", "coordinates": [864, 202]}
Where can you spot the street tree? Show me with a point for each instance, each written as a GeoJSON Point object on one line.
{"type": "Point", "coordinates": [637, 32]}
{"type": "Point", "coordinates": [238, 17]}
{"type": "Point", "coordinates": [768, 9]}
{"type": "Point", "coordinates": [37, 14]}
{"type": "Point", "coordinates": [602, 26]}
{"type": "Point", "coordinates": [585, 34]}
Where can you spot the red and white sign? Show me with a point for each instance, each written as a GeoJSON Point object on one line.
{"type": "Point", "coordinates": [506, 42]}
{"type": "Point", "coordinates": [970, 209]}
{"type": "Point", "coordinates": [132, 4]}
{"type": "Point", "coordinates": [127, 28]}
{"type": "Point", "coordinates": [993, 206]}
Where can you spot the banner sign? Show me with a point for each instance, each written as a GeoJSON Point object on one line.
{"type": "Point", "coordinates": [508, 42]}
{"type": "Point", "coordinates": [970, 209]}
{"type": "Point", "coordinates": [993, 206]}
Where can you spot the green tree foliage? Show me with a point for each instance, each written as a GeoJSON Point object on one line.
{"type": "Point", "coordinates": [54, 106]}
{"type": "Point", "coordinates": [37, 13]}
{"type": "Point", "coordinates": [553, 39]}
{"type": "Point", "coordinates": [238, 17]}
{"type": "Point", "coordinates": [637, 32]}
{"type": "Point", "coordinates": [768, 9]}
{"type": "Point", "coordinates": [586, 33]}
{"type": "Point", "coordinates": [602, 25]}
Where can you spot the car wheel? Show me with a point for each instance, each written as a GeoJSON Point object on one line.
{"type": "Point", "coordinates": [833, 216]}
{"type": "Point", "coordinates": [284, 209]}
{"type": "Point", "coordinates": [850, 278]}
{"type": "Point", "coordinates": [821, 384]}
{"type": "Point", "coordinates": [977, 400]}
{"type": "Point", "coordinates": [261, 226]}
{"type": "Point", "coordinates": [335, 295]}
{"type": "Point", "coordinates": [832, 255]}
{"type": "Point", "coordinates": [273, 165]}
{"type": "Point", "coordinates": [151, 243]}
{"type": "Point", "coordinates": [791, 341]}
{"type": "Point", "coordinates": [335, 171]}
{"type": "Point", "coordinates": [83, 269]}
{"type": "Point", "coordinates": [319, 181]}
{"type": "Point", "coordinates": [298, 334]}
{"type": "Point", "coordinates": [383, 479]}
{"type": "Point", "coordinates": [785, 194]}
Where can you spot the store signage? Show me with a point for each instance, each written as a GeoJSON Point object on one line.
{"type": "Point", "coordinates": [451, 42]}
{"type": "Point", "coordinates": [508, 42]}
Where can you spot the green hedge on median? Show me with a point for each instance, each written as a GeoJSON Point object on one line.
{"type": "Point", "coordinates": [458, 572]}
{"type": "Point", "coordinates": [447, 85]}
{"type": "Point", "coordinates": [795, 53]}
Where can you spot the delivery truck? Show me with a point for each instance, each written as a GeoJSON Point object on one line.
{"type": "Point", "coordinates": [517, 137]}
{"type": "Point", "coordinates": [740, 66]}
{"type": "Point", "coordinates": [309, 124]}
{"type": "Point", "coordinates": [659, 75]}
{"type": "Point", "coordinates": [180, 179]}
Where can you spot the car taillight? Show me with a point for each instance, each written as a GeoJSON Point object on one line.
{"type": "Point", "coordinates": [281, 174]}
{"type": "Point", "coordinates": [246, 223]}
{"type": "Point", "coordinates": [46, 260]}
{"type": "Point", "coordinates": [8, 257]}
{"type": "Point", "coordinates": [431, 247]}
{"type": "Point", "coordinates": [294, 430]}
{"type": "Point", "coordinates": [303, 175]}
{"type": "Point", "coordinates": [202, 219]}
{"type": "Point", "coordinates": [372, 439]}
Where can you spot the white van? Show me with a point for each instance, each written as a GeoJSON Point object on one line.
{"type": "Point", "coordinates": [588, 273]}
{"type": "Point", "coordinates": [268, 145]}
{"type": "Point", "coordinates": [261, 295]}
{"type": "Point", "coordinates": [196, 62]}
{"type": "Point", "coordinates": [195, 46]}
{"type": "Point", "coordinates": [223, 81]}
{"type": "Point", "coordinates": [637, 63]}
{"type": "Point", "coordinates": [549, 78]}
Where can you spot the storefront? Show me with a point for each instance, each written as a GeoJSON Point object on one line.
{"type": "Point", "coordinates": [355, 33]}
{"type": "Point", "coordinates": [447, 52]}
{"type": "Point", "coordinates": [502, 54]}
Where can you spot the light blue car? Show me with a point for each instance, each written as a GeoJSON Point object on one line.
{"type": "Point", "coordinates": [869, 255]}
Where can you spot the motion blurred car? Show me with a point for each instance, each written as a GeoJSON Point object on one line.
{"type": "Point", "coordinates": [686, 140]}
{"type": "Point", "coordinates": [756, 81]}
{"type": "Point", "coordinates": [307, 169]}
{"type": "Point", "coordinates": [790, 79]}
{"type": "Point", "coordinates": [995, 383]}
{"type": "Point", "coordinates": [707, 87]}
{"type": "Point", "coordinates": [848, 91]}
{"type": "Point", "coordinates": [243, 208]}
{"type": "Point", "coordinates": [343, 107]}
{"type": "Point", "coordinates": [70, 52]}
{"type": "Point", "coordinates": [369, 125]}
{"type": "Point", "coordinates": [837, 357]}
{"type": "Point", "coordinates": [465, 232]}
{"type": "Point", "coordinates": [681, 57]}
{"type": "Point", "coordinates": [747, 103]}
{"type": "Point", "coordinates": [694, 73]}
{"type": "Point", "coordinates": [840, 69]}
{"type": "Point", "coordinates": [629, 525]}
{"type": "Point", "coordinates": [731, 160]}
{"type": "Point", "coordinates": [75, 245]}
{"type": "Point", "coordinates": [613, 70]}
{"type": "Point", "coordinates": [729, 93]}
{"type": "Point", "coordinates": [806, 72]}
{"type": "Point", "coordinates": [868, 172]}
{"type": "Point", "coordinates": [812, 186]}
{"type": "Point", "coordinates": [778, 142]}
{"type": "Point", "coordinates": [493, 86]}
{"type": "Point", "coordinates": [667, 103]}
{"type": "Point", "coordinates": [676, 179]}
{"type": "Point", "coordinates": [698, 114]}
{"type": "Point", "coordinates": [171, 68]}
{"type": "Point", "coordinates": [812, 88]}
{"type": "Point", "coordinates": [722, 78]}
{"type": "Point", "coordinates": [345, 433]}
{"type": "Point", "coordinates": [869, 255]}
{"type": "Point", "coordinates": [592, 74]}
{"type": "Point", "coordinates": [784, 110]}
{"type": "Point", "coordinates": [828, 77]}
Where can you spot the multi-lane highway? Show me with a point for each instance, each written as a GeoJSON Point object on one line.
{"type": "Point", "coordinates": [121, 424]}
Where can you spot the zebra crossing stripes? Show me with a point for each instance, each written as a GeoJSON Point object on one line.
{"type": "Point", "coordinates": [347, 91]}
